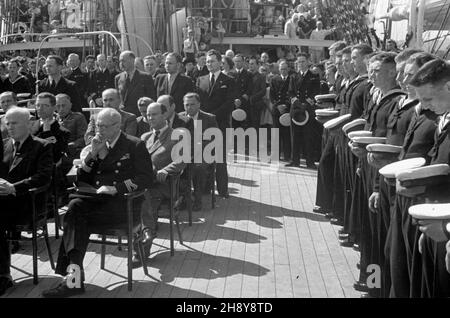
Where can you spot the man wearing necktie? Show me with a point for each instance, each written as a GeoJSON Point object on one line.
{"type": "Point", "coordinates": [174, 83]}
{"type": "Point", "coordinates": [115, 164]}
{"type": "Point", "coordinates": [218, 100]}
{"type": "Point", "coordinates": [159, 145]}
{"type": "Point", "coordinates": [26, 163]}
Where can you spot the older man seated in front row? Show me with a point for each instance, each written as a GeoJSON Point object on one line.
{"type": "Point", "coordinates": [159, 144]}
{"type": "Point", "coordinates": [116, 164]}
{"type": "Point", "coordinates": [26, 163]}
{"type": "Point", "coordinates": [111, 99]}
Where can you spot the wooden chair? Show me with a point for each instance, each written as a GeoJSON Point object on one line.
{"type": "Point", "coordinates": [212, 186]}
{"type": "Point", "coordinates": [173, 216]}
{"type": "Point", "coordinates": [127, 230]}
{"type": "Point", "coordinates": [38, 222]}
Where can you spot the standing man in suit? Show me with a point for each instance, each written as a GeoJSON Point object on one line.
{"type": "Point", "coordinates": [116, 164]}
{"type": "Point", "coordinates": [133, 84]}
{"type": "Point", "coordinates": [99, 80]}
{"type": "Point", "coordinates": [243, 81]}
{"type": "Point", "coordinates": [199, 170]}
{"type": "Point", "coordinates": [56, 84]}
{"type": "Point", "coordinates": [216, 95]}
{"type": "Point", "coordinates": [200, 69]}
{"type": "Point", "coordinates": [159, 145]}
{"type": "Point", "coordinates": [79, 77]}
{"type": "Point", "coordinates": [26, 163]}
{"type": "Point", "coordinates": [280, 99]}
{"type": "Point", "coordinates": [256, 93]}
{"type": "Point", "coordinates": [303, 87]}
{"type": "Point", "coordinates": [111, 99]}
{"type": "Point", "coordinates": [174, 83]}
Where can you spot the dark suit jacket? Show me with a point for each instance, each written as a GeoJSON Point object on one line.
{"type": "Point", "coordinates": [218, 101]}
{"type": "Point", "coordinates": [196, 73]}
{"type": "Point", "coordinates": [81, 78]}
{"type": "Point", "coordinates": [61, 135]}
{"type": "Point", "coordinates": [31, 168]}
{"type": "Point", "coordinates": [20, 85]}
{"type": "Point", "coordinates": [127, 166]}
{"type": "Point", "coordinates": [180, 87]}
{"type": "Point", "coordinates": [64, 86]}
{"type": "Point", "coordinates": [257, 90]}
{"type": "Point", "coordinates": [142, 85]}
{"type": "Point", "coordinates": [100, 81]}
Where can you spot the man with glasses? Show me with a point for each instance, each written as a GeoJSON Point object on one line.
{"type": "Point", "coordinates": [116, 164]}
{"type": "Point", "coordinates": [111, 99]}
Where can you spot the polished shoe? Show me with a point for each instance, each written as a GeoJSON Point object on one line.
{"type": "Point", "coordinates": [63, 291]}
{"type": "Point", "coordinates": [335, 221]}
{"type": "Point", "coordinates": [329, 215]}
{"type": "Point", "coordinates": [346, 243]}
{"type": "Point", "coordinates": [318, 209]}
{"type": "Point", "coordinates": [366, 296]}
{"type": "Point", "coordinates": [224, 196]}
{"type": "Point", "coordinates": [358, 266]}
{"type": "Point", "coordinates": [292, 165]}
{"type": "Point", "coordinates": [361, 287]}
{"type": "Point", "coordinates": [344, 236]}
{"type": "Point", "coordinates": [147, 236]}
{"type": "Point", "coordinates": [5, 283]}
{"type": "Point", "coordinates": [341, 231]}
{"type": "Point", "coordinates": [197, 206]}
{"type": "Point", "coordinates": [356, 248]}
{"type": "Point", "coordinates": [15, 247]}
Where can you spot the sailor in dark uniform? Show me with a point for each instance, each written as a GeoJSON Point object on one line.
{"type": "Point", "coordinates": [279, 87]}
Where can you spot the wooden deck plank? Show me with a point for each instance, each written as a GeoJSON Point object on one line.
{"type": "Point", "coordinates": [263, 242]}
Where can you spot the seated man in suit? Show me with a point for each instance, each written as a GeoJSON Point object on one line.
{"type": "Point", "coordinates": [142, 123]}
{"type": "Point", "coordinates": [159, 144]}
{"type": "Point", "coordinates": [116, 164]}
{"type": "Point", "coordinates": [111, 99]}
{"type": "Point", "coordinates": [26, 163]}
{"type": "Point", "coordinates": [48, 128]}
{"type": "Point", "coordinates": [199, 170]}
{"type": "Point", "coordinates": [175, 120]}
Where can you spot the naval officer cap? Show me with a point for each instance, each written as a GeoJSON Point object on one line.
{"type": "Point", "coordinates": [389, 171]}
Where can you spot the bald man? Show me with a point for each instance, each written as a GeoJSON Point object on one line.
{"type": "Point", "coordinates": [116, 164]}
{"type": "Point", "coordinates": [133, 84]}
{"type": "Point", "coordinates": [27, 163]}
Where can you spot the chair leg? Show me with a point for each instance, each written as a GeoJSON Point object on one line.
{"type": "Point", "coordinates": [119, 242]}
{"type": "Point", "coordinates": [35, 256]}
{"type": "Point", "coordinates": [57, 220]}
{"type": "Point", "coordinates": [177, 222]}
{"type": "Point", "coordinates": [189, 206]}
{"type": "Point", "coordinates": [130, 261]}
{"type": "Point", "coordinates": [142, 256]}
{"type": "Point", "coordinates": [172, 247]}
{"type": "Point", "coordinates": [103, 252]}
{"type": "Point", "coordinates": [49, 250]}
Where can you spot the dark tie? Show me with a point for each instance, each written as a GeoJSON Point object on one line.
{"type": "Point", "coordinates": [213, 81]}
{"type": "Point", "coordinates": [16, 148]}
{"type": "Point", "coordinates": [127, 82]}
{"type": "Point", "coordinates": [52, 85]}
{"type": "Point", "coordinates": [156, 136]}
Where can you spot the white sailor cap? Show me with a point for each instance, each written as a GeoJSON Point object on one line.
{"type": "Point", "coordinates": [285, 120]}
{"type": "Point", "coordinates": [357, 124]}
{"type": "Point", "coordinates": [365, 141]}
{"type": "Point", "coordinates": [337, 122]}
{"type": "Point", "coordinates": [390, 170]}
{"type": "Point", "coordinates": [239, 115]}
{"type": "Point", "coordinates": [325, 98]}
{"type": "Point", "coordinates": [424, 176]}
{"type": "Point", "coordinates": [437, 211]}
{"type": "Point", "coordinates": [382, 148]}
{"type": "Point", "coordinates": [359, 133]}
{"type": "Point", "coordinates": [326, 113]}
